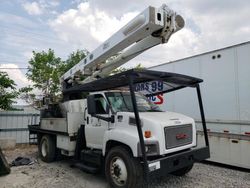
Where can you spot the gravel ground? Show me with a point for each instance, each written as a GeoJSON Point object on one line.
{"type": "Point", "coordinates": [60, 174]}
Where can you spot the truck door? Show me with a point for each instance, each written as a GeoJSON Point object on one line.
{"type": "Point", "coordinates": [96, 127]}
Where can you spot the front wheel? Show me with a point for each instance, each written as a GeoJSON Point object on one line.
{"type": "Point", "coordinates": [122, 169]}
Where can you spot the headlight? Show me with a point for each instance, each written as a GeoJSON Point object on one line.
{"type": "Point", "coordinates": [151, 148]}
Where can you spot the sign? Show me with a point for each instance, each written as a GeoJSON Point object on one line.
{"type": "Point", "coordinates": [149, 88]}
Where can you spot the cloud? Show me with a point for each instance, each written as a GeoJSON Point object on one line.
{"type": "Point", "coordinates": [54, 3]}
{"type": "Point", "coordinates": [87, 26]}
{"type": "Point", "coordinates": [20, 36]}
{"type": "Point", "coordinates": [41, 7]}
{"type": "Point", "coordinates": [118, 8]}
{"type": "Point", "coordinates": [33, 8]}
{"type": "Point", "coordinates": [8, 20]}
{"type": "Point", "coordinates": [220, 23]}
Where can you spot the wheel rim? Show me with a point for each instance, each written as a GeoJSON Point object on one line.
{"type": "Point", "coordinates": [44, 148]}
{"type": "Point", "coordinates": [118, 171]}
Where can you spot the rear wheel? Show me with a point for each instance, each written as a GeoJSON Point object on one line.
{"type": "Point", "coordinates": [183, 171]}
{"type": "Point", "coordinates": [47, 148]}
{"type": "Point", "coordinates": [122, 169]}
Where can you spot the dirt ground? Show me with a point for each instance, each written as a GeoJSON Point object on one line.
{"type": "Point", "coordinates": [60, 175]}
{"type": "Point", "coordinates": [44, 175]}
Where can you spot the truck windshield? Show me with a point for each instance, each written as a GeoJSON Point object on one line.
{"type": "Point", "coordinates": [121, 102]}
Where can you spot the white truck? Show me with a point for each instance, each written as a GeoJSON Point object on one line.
{"type": "Point", "coordinates": [116, 128]}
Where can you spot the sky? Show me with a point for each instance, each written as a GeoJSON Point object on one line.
{"type": "Point", "coordinates": [68, 25]}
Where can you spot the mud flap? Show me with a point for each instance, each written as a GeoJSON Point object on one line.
{"type": "Point", "coordinates": [4, 166]}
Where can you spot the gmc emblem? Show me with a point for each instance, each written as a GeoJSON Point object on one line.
{"type": "Point", "coordinates": [181, 136]}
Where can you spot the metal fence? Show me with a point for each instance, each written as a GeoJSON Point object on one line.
{"type": "Point", "coordinates": [14, 124]}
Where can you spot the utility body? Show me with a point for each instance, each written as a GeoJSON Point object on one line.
{"type": "Point", "coordinates": [115, 127]}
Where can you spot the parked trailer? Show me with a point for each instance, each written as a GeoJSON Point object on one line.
{"type": "Point", "coordinates": [226, 92]}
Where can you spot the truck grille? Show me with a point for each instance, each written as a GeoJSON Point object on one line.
{"type": "Point", "coordinates": [179, 135]}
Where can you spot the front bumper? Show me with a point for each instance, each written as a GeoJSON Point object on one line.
{"type": "Point", "coordinates": [177, 161]}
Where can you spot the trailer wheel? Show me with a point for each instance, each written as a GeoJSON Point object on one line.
{"type": "Point", "coordinates": [122, 169]}
{"type": "Point", "coordinates": [47, 148]}
{"type": "Point", "coordinates": [183, 171]}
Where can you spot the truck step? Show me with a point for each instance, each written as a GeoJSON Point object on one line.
{"type": "Point", "coordinates": [86, 168]}
{"type": "Point", "coordinates": [92, 156]}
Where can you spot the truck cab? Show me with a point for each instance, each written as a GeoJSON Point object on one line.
{"type": "Point", "coordinates": [164, 132]}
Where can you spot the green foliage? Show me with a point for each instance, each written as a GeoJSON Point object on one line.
{"type": "Point", "coordinates": [7, 91]}
{"type": "Point", "coordinates": [73, 59]}
{"type": "Point", "coordinates": [44, 71]}
{"type": "Point", "coordinates": [122, 69]}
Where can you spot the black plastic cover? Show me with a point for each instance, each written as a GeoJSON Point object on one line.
{"type": "Point", "coordinates": [171, 81]}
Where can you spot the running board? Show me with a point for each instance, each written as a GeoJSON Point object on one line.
{"type": "Point", "coordinates": [86, 168]}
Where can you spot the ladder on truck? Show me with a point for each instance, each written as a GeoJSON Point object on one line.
{"type": "Point", "coordinates": [33, 135]}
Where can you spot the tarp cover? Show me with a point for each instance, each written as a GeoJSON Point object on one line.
{"type": "Point", "coordinates": [155, 82]}
{"type": "Point", "coordinates": [19, 161]}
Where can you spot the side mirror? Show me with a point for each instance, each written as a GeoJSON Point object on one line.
{"type": "Point", "coordinates": [91, 104]}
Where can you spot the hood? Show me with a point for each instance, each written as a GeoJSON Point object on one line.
{"type": "Point", "coordinates": [165, 118]}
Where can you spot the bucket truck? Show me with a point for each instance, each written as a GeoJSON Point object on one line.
{"type": "Point", "coordinates": [115, 127]}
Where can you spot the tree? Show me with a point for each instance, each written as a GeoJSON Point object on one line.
{"type": "Point", "coordinates": [7, 91]}
{"type": "Point", "coordinates": [74, 58]}
{"type": "Point", "coordinates": [44, 71]}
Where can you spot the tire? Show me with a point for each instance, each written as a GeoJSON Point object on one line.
{"type": "Point", "coordinates": [47, 148]}
{"type": "Point", "coordinates": [4, 166]}
{"type": "Point", "coordinates": [183, 171]}
{"type": "Point", "coordinates": [122, 170]}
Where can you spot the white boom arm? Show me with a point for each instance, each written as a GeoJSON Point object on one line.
{"type": "Point", "coordinates": [151, 27]}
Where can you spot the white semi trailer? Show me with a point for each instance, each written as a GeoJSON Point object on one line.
{"type": "Point", "coordinates": [116, 128]}
{"type": "Point", "coordinates": [226, 73]}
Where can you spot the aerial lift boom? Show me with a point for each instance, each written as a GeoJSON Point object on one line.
{"type": "Point", "coordinates": [151, 27]}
